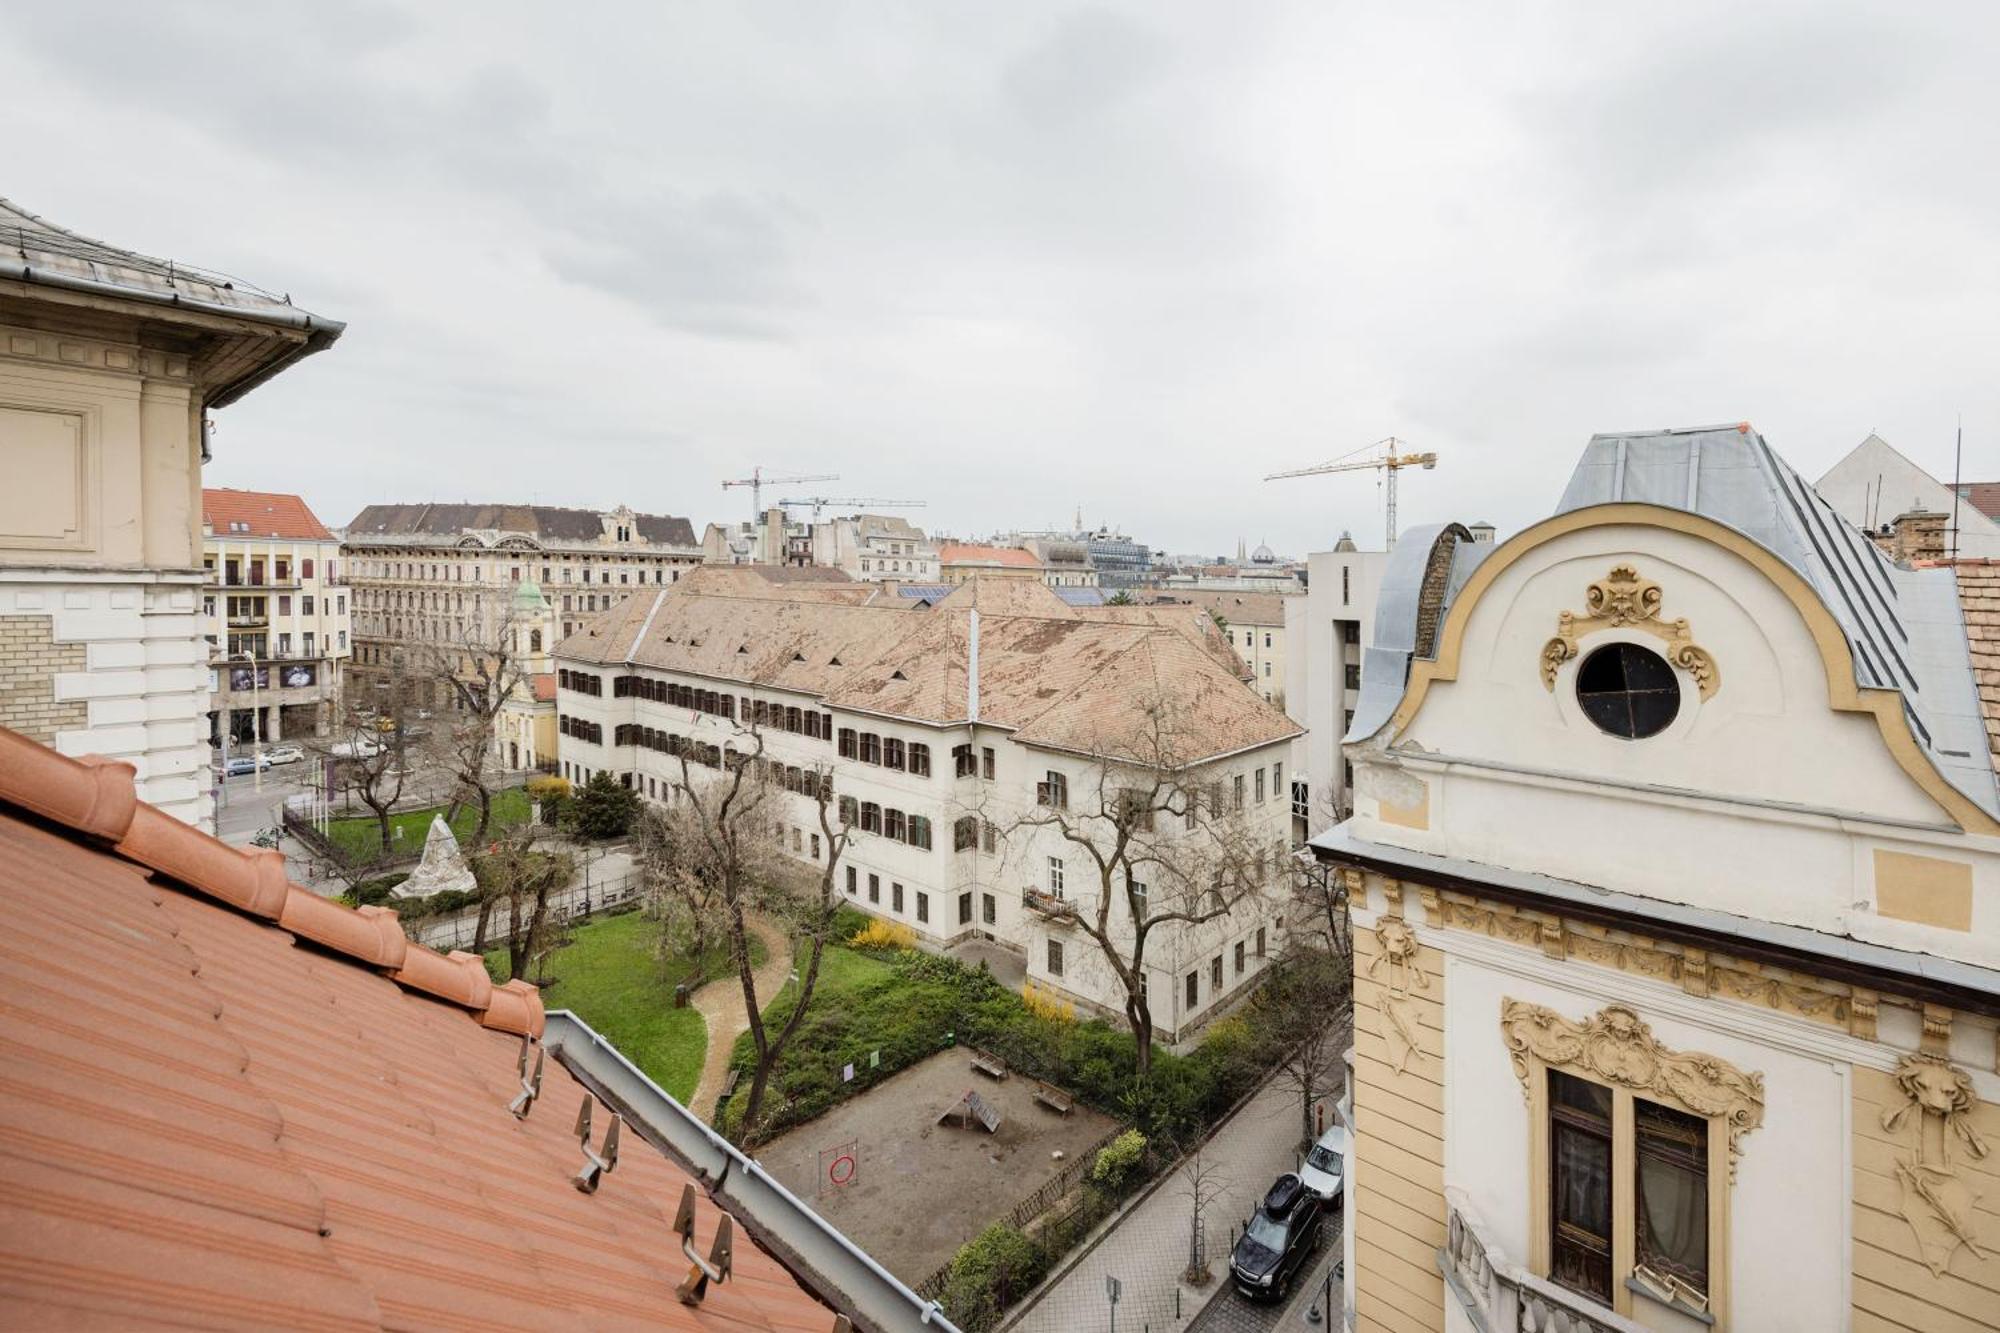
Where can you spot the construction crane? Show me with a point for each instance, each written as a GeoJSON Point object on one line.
{"type": "Point", "coordinates": [1392, 462]}
{"type": "Point", "coordinates": [756, 481]}
{"type": "Point", "coordinates": [819, 502]}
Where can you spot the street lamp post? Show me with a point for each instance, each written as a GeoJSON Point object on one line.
{"type": "Point", "coordinates": [256, 724]}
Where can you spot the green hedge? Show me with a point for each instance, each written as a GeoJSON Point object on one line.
{"type": "Point", "coordinates": [908, 1004]}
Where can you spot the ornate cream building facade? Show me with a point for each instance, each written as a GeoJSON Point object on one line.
{"type": "Point", "coordinates": [110, 362]}
{"type": "Point", "coordinates": [1675, 879]}
{"type": "Point", "coordinates": [437, 581]}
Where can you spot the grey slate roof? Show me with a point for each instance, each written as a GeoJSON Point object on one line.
{"type": "Point", "coordinates": [51, 253]}
{"type": "Point", "coordinates": [547, 522]}
{"type": "Point", "coordinates": [1904, 626]}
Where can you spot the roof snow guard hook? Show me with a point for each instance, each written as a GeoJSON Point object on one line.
{"type": "Point", "coordinates": [701, 1272]}
{"type": "Point", "coordinates": [596, 1164]}
{"type": "Point", "coordinates": [531, 1087]}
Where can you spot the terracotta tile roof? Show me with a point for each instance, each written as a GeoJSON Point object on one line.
{"type": "Point", "coordinates": [1984, 496]}
{"type": "Point", "coordinates": [230, 1104]}
{"type": "Point", "coordinates": [1192, 621]}
{"type": "Point", "coordinates": [1060, 679]}
{"type": "Point", "coordinates": [987, 555]}
{"type": "Point", "coordinates": [1007, 597]}
{"type": "Point", "coordinates": [1979, 598]}
{"type": "Point", "coordinates": [267, 513]}
{"type": "Point", "coordinates": [1238, 608]}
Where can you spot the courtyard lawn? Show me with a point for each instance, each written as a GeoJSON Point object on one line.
{"type": "Point", "coordinates": [359, 837]}
{"type": "Point", "coordinates": [607, 974]}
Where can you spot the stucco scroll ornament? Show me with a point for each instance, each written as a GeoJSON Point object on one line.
{"type": "Point", "coordinates": [1937, 1203]}
{"type": "Point", "coordinates": [1620, 600]}
{"type": "Point", "coordinates": [1617, 1046]}
{"type": "Point", "coordinates": [1395, 965]}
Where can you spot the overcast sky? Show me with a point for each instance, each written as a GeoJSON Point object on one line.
{"type": "Point", "coordinates": [1017, 260]}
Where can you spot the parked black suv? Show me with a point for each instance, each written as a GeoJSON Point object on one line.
{"type": "Point", "coordinates": [1276, 1239]}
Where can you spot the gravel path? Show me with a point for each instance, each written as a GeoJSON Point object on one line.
{"type": "Point", "coordinates": [720, 1003]}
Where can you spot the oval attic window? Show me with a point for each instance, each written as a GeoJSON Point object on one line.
{"type": "Point", "coordinates": [1628, 691]}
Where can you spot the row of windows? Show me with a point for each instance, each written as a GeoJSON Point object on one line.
{"type": "Point", "coordinates": [456, 572]}
{"type": "Point", "coordinates": [885, 751]}
{"type": "Point", "coordinates": [281, 569]}
{"type": "Point", "coordinates": [896, 896]}
{"type": "Point", "coordinates": [890, 822]}
{"type": "Point", "coordinates": [580, 729]}
{"type": "Point", "coordinates": [580, 682]}
{"type": "Point", "coordinates": [969, 831]}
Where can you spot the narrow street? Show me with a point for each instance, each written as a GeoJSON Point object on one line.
{"type": "Point", "coordinates": [1147, 1251]}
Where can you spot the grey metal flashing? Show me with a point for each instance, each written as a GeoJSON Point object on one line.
{"type": "Point", "coordinates": [839, 1271]}
{"type": "Point", "coordinates": [1898, 971]}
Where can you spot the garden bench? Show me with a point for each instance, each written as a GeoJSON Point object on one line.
{"type": "Point", "coordinates": [988, 1064]}
{"type": "Point", "coordinates": [1054, 1098]}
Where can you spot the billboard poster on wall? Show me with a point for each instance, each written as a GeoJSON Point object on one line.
{"type": "Point", "coordinates": [239, 678]}
{"type": "Point", "coordinates": [299, 673]}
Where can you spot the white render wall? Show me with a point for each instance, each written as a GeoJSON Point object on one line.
{"type": "Point", "coordinates": [1020, 861]}
{"type": "Point", "coordinates": [1316, 692]}
{"type": "Point", "coordinates": [145, 683]}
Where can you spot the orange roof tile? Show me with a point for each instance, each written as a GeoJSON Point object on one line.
{"type": "Point", "coordinates": [266, 514]}
{"type": "Point", "coordinates": [988, 555]}
{"type": "Point", "coordinates": [207, 1121]}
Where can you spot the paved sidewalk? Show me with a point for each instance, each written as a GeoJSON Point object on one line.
{"type": "Point", "coordinates": [1148, 1250]}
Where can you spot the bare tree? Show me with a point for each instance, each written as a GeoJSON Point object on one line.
{"type": "Point", "coordinates": [513, 871]}
{"type": "Point", "coordinates": [1165, 836]}
{"type": "Point", "coordinates": [480, 668]}
{"type": "Point", "coordinates": [1201, 1182]}
{"type": "Point", "coordinates": [1299, 1009]}
{"type": "Point", "coordinates": [681, 878]}
{"type": "Point", "coordinates": [736, 810]}
{"type": "Point", "coordinates": [1321, 891]}
{"type": "Point", "coordinates": [370, 765]}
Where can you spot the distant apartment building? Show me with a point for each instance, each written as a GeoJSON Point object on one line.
{"type": "Point", "coordinates": [1065, 561]}
{"type": "Point", "coordinates": [1880, 490]}
{"type": "Point", "coordinates": [958, 562]}
{"type": "Point", "coordinates": [436, 581]}
{"type": "Point", "coordinates": [874, 548]}
{"type": "Point", "coordinates": [1251, 623]}
{"type": "Point", "coordinates": [276, 617]}
{"type": "Point", "coordinates": [1120, 562]}
{"type": "Point", "coordinates": [1328, 632]}
{"type": "Point", "coordinates": [109, 363]}
{"type": "Point", "coordinates": [947, 737]}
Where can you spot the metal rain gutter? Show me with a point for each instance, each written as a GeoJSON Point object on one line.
{"type": "Point", "coordinates": [842, 1273]}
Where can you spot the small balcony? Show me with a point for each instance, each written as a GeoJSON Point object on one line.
{"type": "Point", "coordinates": [1050, 906]}
{"type": "Point", "coordinates": [1501, 1297]}
{"type": "Point", "coordinates": [250, 620]}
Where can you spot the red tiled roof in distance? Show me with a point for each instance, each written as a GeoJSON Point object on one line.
{"type": "Point", "coordinates": [268, 514]}
{"type": "Point", "coordinates": [1983, 496]}
{"type": "Point", "coordinates": [989, 555]}
{"type": "Point", "coordinates": [208, 1122]}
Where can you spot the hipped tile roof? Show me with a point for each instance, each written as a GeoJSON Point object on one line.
{"type": "Point", "coordinates": [987, 555]}
{"type": "Point", "coordinates": [550, 523]}
{"type": "Point", "coordinates": [227, 1103]}
{"type": "Point", "coordinates": [268, 514]}
{"type": "Point", "coordinates": [1067, 679]}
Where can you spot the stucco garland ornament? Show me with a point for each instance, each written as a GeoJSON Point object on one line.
{"type": "Point", "coordinates": [1617, 1046]}
{"type": "Point", "coordinates": [1396, 952]}
{"type": "Point", "coordinates": [1623, 600]}
{"type": "Point", "coordinates": [1937, 1203]}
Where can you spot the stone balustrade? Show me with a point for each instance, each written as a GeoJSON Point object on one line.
{"type": "Point", "coordinates": [1499, 1296]}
